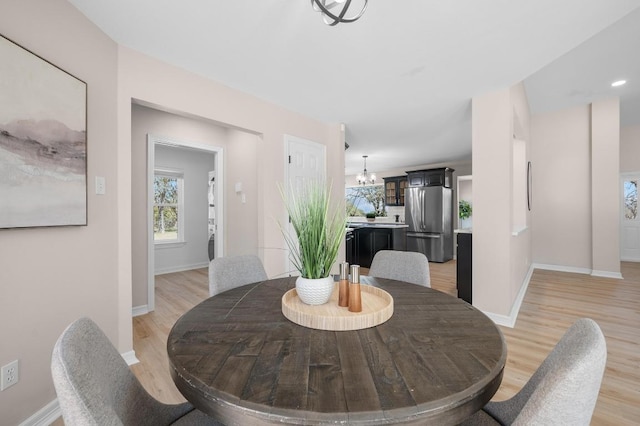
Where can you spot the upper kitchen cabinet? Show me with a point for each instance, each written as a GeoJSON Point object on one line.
{"type": "Point", "coordinates": [394, 190]}
{"type": "Point", "coordinates": [432, 177]}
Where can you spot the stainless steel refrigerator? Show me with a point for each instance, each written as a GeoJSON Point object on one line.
{"type": "Point", "coordinates": [429, 214]}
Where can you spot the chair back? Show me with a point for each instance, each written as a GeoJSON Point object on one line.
{"type": "Point", "coordinates": [565, 387]}
{"type": "Point", "coordinates": [412, 267]}
{"type": "Point", "coordinates": [95, 385]}
{"type": "Point", "coordinates": [226, 273]}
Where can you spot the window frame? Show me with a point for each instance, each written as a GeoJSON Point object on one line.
{"type": "Point", "coordinates": [180, 206]}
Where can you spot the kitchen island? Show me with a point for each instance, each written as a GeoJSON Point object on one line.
{"type": "Point", "coordinates": [365, 239]}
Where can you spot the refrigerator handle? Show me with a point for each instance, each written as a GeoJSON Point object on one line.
{"type": "Point", "coordinates": [423, 235]}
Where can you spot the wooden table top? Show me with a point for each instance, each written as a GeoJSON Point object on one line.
{"type": "Point", "coordinates": [437, 360]}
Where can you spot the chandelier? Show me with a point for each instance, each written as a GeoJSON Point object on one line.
{"type": "Point", "coordinates": [366, 178]}
{"type": "Point", "coordinates": [340, 14]}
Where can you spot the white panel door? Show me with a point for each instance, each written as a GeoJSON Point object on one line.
{"type": "Point", "coordinates": [305, 161]}
{"type": "Point", "coordinates": [630, 221]}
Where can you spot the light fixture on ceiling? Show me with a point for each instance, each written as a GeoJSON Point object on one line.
{"type": "Point", "coordinates": [618, 83]}
{"type": "Point", "coordinates": [338, 15]}
{"type": "Point", "coordinates": [366, 178]}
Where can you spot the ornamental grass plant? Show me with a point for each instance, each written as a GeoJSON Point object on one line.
{"type": "Point", "coordinates": [319, 228]}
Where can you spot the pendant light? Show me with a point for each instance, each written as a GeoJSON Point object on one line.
{"type": "Point", "coordinates": [340, 14]}
{"type": "Point", "coordinates": [365, 178]}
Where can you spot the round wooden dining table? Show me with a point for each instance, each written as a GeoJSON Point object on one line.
{"type": "Point", "coordinates": [437, 360]}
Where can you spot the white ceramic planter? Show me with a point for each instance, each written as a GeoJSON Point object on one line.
{"type": "Point", "coordinates": [314, 291]}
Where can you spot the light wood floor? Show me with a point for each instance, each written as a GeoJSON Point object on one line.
{"type": "Point", "coordinates": [554, 300]}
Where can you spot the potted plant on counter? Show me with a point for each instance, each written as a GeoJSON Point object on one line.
{"type": "Point", "coordinates": [318, 231]}
{"type": "Point", "coordinates": [371, 216]}
{"type": "Point", "coordinates": [464, 213]}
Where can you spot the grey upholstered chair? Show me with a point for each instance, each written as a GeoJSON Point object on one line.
{"type": "Point", "coordinates": [226, 273]}
{"type": "Point", "coordinates": [96, 387]}
{"type": "Point", "coordinates": [563, 390]}
{"type": "Point", "coordinates": [408, 266]}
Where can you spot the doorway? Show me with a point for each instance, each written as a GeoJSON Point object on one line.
{"type": "Point", "coordinates": [630, 218]}
{"type": "Point", "coordinates": [211, 194]}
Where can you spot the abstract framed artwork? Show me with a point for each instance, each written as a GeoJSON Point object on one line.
{"type": "Point", "coordinates": [43, 142]}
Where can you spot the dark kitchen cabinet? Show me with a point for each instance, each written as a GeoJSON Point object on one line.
{"type": "Point", "coordinates": [394, 190]}
{"type": "Point", "coordinates": [463, 267]}
{"type": "Point", "coordinates": [370, 240]}
{"type": "Point", "coordinates": [432, 177]}
{"type": "Point", "coordinates": [350, 247]}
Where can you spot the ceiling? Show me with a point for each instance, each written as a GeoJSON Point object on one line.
{"type": "Point", "coordinates": [402, 77]}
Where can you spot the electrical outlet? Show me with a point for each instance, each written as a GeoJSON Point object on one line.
{"type": "Point", "coordinates": [10, 375]}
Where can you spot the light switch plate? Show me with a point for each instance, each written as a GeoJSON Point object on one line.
{"type": "Point", "coordinates": [101, 185]}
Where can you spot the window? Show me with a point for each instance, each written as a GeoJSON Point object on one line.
{"type": "Point", "coordinates": [365, 199]}
{"type": "Point", "coordinates": [630, 199]}
{"type": "Point", "coordinates": [168, 206]}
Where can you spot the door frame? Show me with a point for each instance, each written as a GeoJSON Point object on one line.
{"type": "Point", "coordinates": [290, 142]}
{"type": "Point", "coordinates": [152, 142]}
{"type": "Point", "coordinates": [625, 176]}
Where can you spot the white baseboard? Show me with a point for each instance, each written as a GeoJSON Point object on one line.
{"type": "Point", "coordinates": [168, 270]}
{"type": "Point", "coordinates": [500, 319]}
{"type": "Point", "coordinates": [606, 274]}
{"type": "Point", "coordinates": [45, 416]}
{"type": "Point", "coordinates": [130, 357]}
{"type": "Point", "coordinates": [136, 311]}
{"type": "Point", "coordinates": [574, 270]}
{"type": "Point", "coordinates": [510, 320]}
{"type": "Point", "coordinates": [561, 268]}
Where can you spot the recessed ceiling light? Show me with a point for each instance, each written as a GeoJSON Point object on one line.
{"type": "Point", "coordinates": [618, 83]}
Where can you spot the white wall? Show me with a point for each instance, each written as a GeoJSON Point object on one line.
{"type": "Point", "coordinates": [51, 276]}
{"type": "Point", "coordinates": [501, 253]}
{"type": "Point", "coordinates": [605, 186]}
{"type": "Point", "coordinates": [521, 227]}
{"type": "Point", "coordinates": [196, 166]}
{"type": "Point", "coordinates": [492, 137]}
{"type": "Point", "coordinates": [241, 208]}
{"type": "Point", "coordinates": [575, 155]}
{"type": "Point", "coordinates": [630, 149]}
{"type": "Point", "coordinates": [561, 214]}
{"type": "Point", "coordinates": [162, 86]}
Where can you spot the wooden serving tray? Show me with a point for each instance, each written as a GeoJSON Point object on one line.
{"type": "Point", "coordinates": [377, 307]}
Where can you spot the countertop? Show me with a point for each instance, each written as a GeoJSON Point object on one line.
{"type": "Point", "coordinates": [354, 225]}
{"type": "Point", "coordinates": [463, 231]}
